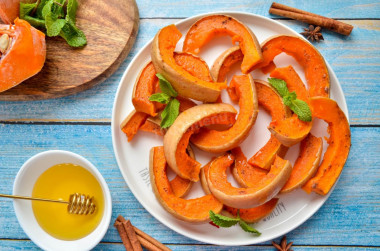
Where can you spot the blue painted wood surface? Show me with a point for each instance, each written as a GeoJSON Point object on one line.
{"type": "Point", "coordinates": [349, 220]}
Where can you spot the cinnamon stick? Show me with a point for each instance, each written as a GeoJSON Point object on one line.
{"type": "Point", "coordinates": [132, 236]}
{"type": "Point", "coordinates": [150, 239]}
{"type": "Point", "coordinates": [123, 235]}
{"type": "Point", "coordinates": [311, 18]}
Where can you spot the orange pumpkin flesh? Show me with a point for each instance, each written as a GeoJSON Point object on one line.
{"type": "Point", "coordinates": [152, 127]}
{"type": "Point", "coordinates": [249, 215]}
{"type": "Point", "coordinates": [132, 123]}
{"type": "Point", "coordinates": [183, 82]}
{"type": "Point", "coordinates": [201, 32]}
{"type": "Point", "coordinates": [267, 97]}
{"type": "Point", "coordinates": [186, 165]}
{"type": "Point", "coordinates": [25, 56]}
{"type": "Point", "coordinates": [252, 215]}
{"type": "Point", "coordinates": [306, 164]}
{"type": "Point", "coordinates": [147, 82]}
{"type": "Point", "coordinates": [220, 141]}
{"type": "Point", "coordinates": [291, 130]}
{"type": "Point", "coordinates": [339, 145]}
{"type": "Point", "coordinates": [9, 10]}
{"type": "Point", "coordinates": [253, 196]}
{"type": "Point", "coordinates": [307, 56]}
{"type": "Point", "coordinates": [193, 210]}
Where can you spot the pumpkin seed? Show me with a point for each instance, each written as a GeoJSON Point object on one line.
{"type": "Point", "coordinates": [4, 43]}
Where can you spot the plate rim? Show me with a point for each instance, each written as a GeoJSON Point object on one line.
{"type": "Point", "coordinates": [125, 176]}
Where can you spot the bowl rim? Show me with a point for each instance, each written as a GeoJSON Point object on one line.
{"type": "Point", "coordinates": [106, 219]}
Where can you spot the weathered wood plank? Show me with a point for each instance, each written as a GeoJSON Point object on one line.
{"type": "Point", "coordinates": [333, 9]}
{"type": "Point", "coordinates": [352, 211]}
{"type": "Point", "coordinates": [355, 59]}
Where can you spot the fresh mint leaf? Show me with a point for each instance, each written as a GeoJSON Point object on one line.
{"type": "Point", "coordinates": [40, 7]}
{"type": "Point", "coordinates": [160, 97]}
{"type": "Point", "coordinates": [57, 8]}
{"type": "Point", "coordinates": [166, 87]}
{"type": "Point", "coordinates": [248, 228]}
{"type": "Point", "coordinates": [35, 22]}
{"type": "Point", "coordinates": [170, 113]}
{"type": "Point", "coordinates": [72, 7]}
{"type": "Point", "coordinates": [53, 24]}
{"type": "Point", "coordinates": [287, 99]}
{"type": "Point", "coordinates": [221, 220]}
{"type": "Point", "coordinates": [302, 109]}
{"type": "Point", "coordinates": [26, 9]}
{"type": "Point", "coordinates": [47, 8]}
{"type": "Point", "coordinates": [279, 85]}
{"type": "Point", "coordinates": [73, 36]}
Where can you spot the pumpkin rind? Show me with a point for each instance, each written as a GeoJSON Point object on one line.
{"type": "Point", "coordinates": [193, 210]}
{"type": "Point", "coordinates": [316, 72]}
{"type": "Point", "coordinates": [339, 145]}
{"type": "Point", "coordinates": [208, 27]}
{"type": "Point", "coordinates": [184, 83]}
{"type": "Point", "coordinates": [306, 164]}
{"type": "Point", "coordinates": [220, 141]}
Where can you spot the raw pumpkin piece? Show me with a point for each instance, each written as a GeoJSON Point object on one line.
{"type": "Point", "coordinates": [253, 196]}
{"type": "Point", "coordinates": [291, 130]}
{"type": "Point", "coordinates": [206, 28]}
{"type": "Point", "coordinates": [132, 123]}
{"type": "Point", "coordinates": [316, 72]}
{"type": "Point", "coordinates": [220, 141]}
{"type": "Point", "coordinates": [193, 210]}
{"type": "Point", "coordinates": [183, 82]}
{"type": "Point", "coordinates": [23, 53]}
{"type": "Point", "coordinates": [252, 215]}
{"type": "Point", "coordinates": [189, 121]}
{"type": "Point", "coordinates": [339, 145]}
{"type": "Point", "coordinates": [306, 164]}
{"type": "Point", "coordinates": [9, 10]}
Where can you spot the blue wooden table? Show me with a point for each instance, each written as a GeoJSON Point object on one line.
{"type": "Point", "coordinates": [349, 220]}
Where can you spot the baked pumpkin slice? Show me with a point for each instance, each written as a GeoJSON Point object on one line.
{"type": "Point", "coordinates": [306, 164]}
{"type": "Point", "coordinates": [253, 196]}
{"type": "Point", "coordinates": [193, 210]}
{"type": "Point", "coordinates": [291, 131]}
{"type": "Point", "coordinates": [249, 215]}
{"type": "Point", "coordinates": [219, 141]}
{"type": "Point", "coordinates": [147, 82]}
{"type": "Point", "coordinates": [316, 72]}
{"type": "Point", "coordinates": [184, 83]}
{"type": "Point", "coordinates": [188, 122]}
{"type": "Point", "coordinates": [339, 145]}
{"type": "Point", "coordinates": [267, 98]}
{"type": "Point", "coordinates": [208, 27]}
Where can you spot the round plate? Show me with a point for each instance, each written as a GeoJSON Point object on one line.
{"type": "Point", "coordinates": [133, 157]}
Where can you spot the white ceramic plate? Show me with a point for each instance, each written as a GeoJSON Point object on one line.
{"type": "Point", "coordinates": [133, 158]}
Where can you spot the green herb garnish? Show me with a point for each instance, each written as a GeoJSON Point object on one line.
{"type": "Point", "coordinates": [55, 18]}
{"type": "Point", "coordinates": [299, 107]}
{"type": "Point", "coordinates": [168, 97]}
{"type": "Point", "coordinates": [224, 221]}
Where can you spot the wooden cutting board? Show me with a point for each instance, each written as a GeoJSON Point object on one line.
{"type": "Point", "coordinates": [110, 26]}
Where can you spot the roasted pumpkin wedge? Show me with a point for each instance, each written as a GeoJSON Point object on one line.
{"type": "Point", "coordinates": [291, 130]}
{"type": "Point", "coordinates": [22, 53]}
{"type": "Point", "coordinates": [147, 82]}
{"type": "Point", "coordinates": [177, 137]}
{"type": "Point", "coordinates": [316, 72]}
{"type": "Point", "coordinates": [267, 97]}
{"type": "Point", "coordinates": [193, 210]}
{"type": "Point", "coordinates": [220, 141]}
{"type": "Point", "coordinates": [184, 83]}
{"type": "Point", "coordinates": [208, 27]}
{"type": "Point", "coordinates": [306, 164]}
{"type": "Point", "coordinates": [132, 123]}
{"type": "Point", "coordinates": [180, 185]}
{"type": "Point", "coordinates": [153, 127]}
{"type": "Point", "coordinates": [256, 195]}
{"type": "Point", "coordinates": [249, 215]}
{"type": "Point", "coordinates": [252, 215]}
{"type": "Point", "coordinates": [339, 145]}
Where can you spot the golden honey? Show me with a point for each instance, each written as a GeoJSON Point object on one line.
{"type": "Point", "coordinates": [58, 182]}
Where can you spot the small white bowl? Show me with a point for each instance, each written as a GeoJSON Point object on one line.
{"type": "Point", "coordinates": [23, 185]}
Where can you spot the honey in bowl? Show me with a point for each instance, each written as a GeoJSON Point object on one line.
{"type": "Point", "coordinates": [58, 182]}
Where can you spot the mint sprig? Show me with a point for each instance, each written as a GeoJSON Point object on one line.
{"type": "Point", "coordinates": [168, 97]}
{"type": "Point", "coordinates": [225, 221]}
{"type": "Point", "coordinates": [299, 107]}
